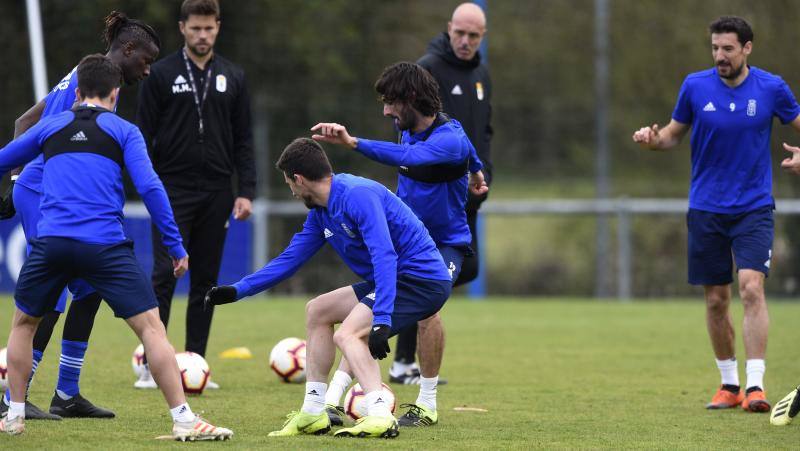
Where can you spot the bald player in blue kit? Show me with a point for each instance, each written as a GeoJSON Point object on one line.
{"type": "Point", "coordinates": [80, 235]}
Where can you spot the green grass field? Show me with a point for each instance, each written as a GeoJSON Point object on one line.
{"type": "Point", "coordinates": [552, 374]}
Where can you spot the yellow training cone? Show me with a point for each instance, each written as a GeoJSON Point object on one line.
{"type": "Point", "coordinates": [236, 353]}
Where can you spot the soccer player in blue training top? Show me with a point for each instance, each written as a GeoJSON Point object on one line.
{"type": "Point", "coordinates": [81, 236]}
{"type": "Point", "coordinates": [383, 242]}
{"type": "Point", "coordinates": [133, 46]}
{"type": "Point", "coordinates": [730, 109]}
{"type": "Point", "coordinates": [434, 156]}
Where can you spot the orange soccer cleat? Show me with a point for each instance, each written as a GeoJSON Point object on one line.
{"type": "Point", "coordinates": [756, 401]}
{"type": "Point", "coordinates": [725, 399]}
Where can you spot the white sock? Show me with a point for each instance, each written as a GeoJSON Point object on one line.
{"type": "Point", "coordinates": [729, 370]}
{"type": "Point", "coordinates": [16, 409]}
{"type": "Point", "coordinates": [341, 380]}
{"type": "Point", "coordinates": [376, 404]}
{"type": "Point", "coordinates": [427, 392]}
{"type": "Point", "coordinates": [399, 368]}
{"type": "Point", "coordinates": [755, 372]}
{"type": "Point", "coordinates": [182, 414]}
{"type": "Point", "coordinates": [314, 402]}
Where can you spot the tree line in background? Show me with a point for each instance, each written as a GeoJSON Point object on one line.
{"type": "Point", "coordinates": [316, 60]}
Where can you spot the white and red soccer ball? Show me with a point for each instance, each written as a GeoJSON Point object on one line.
{"type": "Point", "coordinates": [355, 404]}
{"type": "Point", "coordinates": [194, 372]}
{"type": "Point", "coordinates": [3, 370]}
{"type": "Point", "coordinates": [137, 360]}
{"type": "Point", "coordinates": [288, 360]}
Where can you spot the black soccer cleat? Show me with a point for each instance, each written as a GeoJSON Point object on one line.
{"type": "Point", "coordinates": [335, 414]}
{"type": "Point", "coordinates": [77, 407]}
{"type": "Point", "coordinates": [31, 412]}
{"type": "Point", "coordinates": [411, 377]}
{"type": "Point", "coordinates": [418, 416]}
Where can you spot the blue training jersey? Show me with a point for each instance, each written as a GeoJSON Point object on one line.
{"type": "Point", "coordinates": [731, 128]}
{"type": "Point", "coordinates": [440, 206]}
{"type": "Point", "coordinates": [60, 99]}
{"type": "Point", "coordinates": [82, 191]}
{"type": "Point", "coordinates": [374, 232]}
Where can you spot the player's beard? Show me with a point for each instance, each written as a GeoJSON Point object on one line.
{"type": "Point", "coordinates": [734, 72]}
{"type": "Point", "coordinates": [197, 52]}
{"type": "Point", "coordinates": [308, 202]}
{"type": "Point", "coordinates": [406, 120]}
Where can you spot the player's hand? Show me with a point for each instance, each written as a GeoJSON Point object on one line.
{"type": "Point", "coordinates": [180, 266]}
{"type": "Point", "coordinates": [334, 134]}
{"type": "Point", "coordinates": [379, 341]}
{"type": "Point", "coordinates": [477, 184]}
{"type": "Point", "coordinates": [792, 164]}
{"type": "Point", "coordinates": [648, 137]}
{"type": "Point", "coordinates": [223, 294]}
{"type": "Point", "coordinates": [242, 208]}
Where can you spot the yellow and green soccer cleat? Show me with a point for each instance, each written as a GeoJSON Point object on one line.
{"type": "Point", "coordinates": [786, 409]}
{"type": "Point", "coordinates": [418, 416]}
{"type": "Point", "coordinates": [299, 423]}
{"type": "Point", "coordinates": [371, 426]}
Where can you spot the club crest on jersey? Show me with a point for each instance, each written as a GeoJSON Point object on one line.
{"type": "Point", "coordinates": [751, 107]}
{"type": "Point", "coordinates": [222, 83]}
{"type": "Point", "coordinates": [348, 231]}
{"type": "Point", "coordinates": [479, 90]}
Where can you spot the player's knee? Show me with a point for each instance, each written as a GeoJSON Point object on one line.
{"type": "Point", "coordinates": [717, 303]}
{"type": "Point", "coordinates": [343, 336]}
{"type": "Point", "coordinates": [752, 292]}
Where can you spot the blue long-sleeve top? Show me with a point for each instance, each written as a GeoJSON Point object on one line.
{"type": "Point", "coordinates": [374, 233]}
{"type": "Point", "coordinates": [440, 206]}
{"type": "Point", "coordinates": [82, 191]}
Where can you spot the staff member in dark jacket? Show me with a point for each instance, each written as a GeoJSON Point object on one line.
{"type": "Point", "coordinates": [195, 115]}
{"type": "Point", "coordinates": [465, 89]}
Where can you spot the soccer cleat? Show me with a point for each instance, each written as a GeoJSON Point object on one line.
{"type": "Point", "coordinates": [31, 412]}
{"type": "Point", "coordinates": [335, 414]}
{"type": "Point", "coordinates": [411, 377]}
{"type": "Point", "coordinates": [77, 407]}
{"type": "Point", "coordinates": [418, 416]}
{"type": "Point", "coordinates": [725, 399]}
{"type": "Point", "coordinates": [146, 380]}
{"type": "Point", "coordinates": [299, 423]}
{"type": "Point", "coordinates": [211, 385]}
{"type": "Point", "coordinates": [756, 401]}
{"type": "Point", "coordinates": [199, 429]}
{"type": "Point", "coordinates": [786, 409]}
{"type": "Point", "coordinates": [371, 426]}
{"type": "Point", "coordinates": [12, 427]}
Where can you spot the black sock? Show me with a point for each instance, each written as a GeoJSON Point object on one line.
{"type": "Point", "coordinates": [731, 388]}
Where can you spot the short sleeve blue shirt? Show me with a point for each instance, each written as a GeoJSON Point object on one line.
{"type": "Point", "coordinates": [730, 139]}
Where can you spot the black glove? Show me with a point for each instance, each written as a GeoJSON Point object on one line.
{"type": "Point", "coordinates": [7, 210]}
{"type": "Point", "coordinates": [379, 341]}
{"type": "Point", "coordinates": [224, 294]}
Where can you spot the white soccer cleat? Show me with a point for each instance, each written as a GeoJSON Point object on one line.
{"type": "Point", "coordinates": [199, 429]}
{"type": "Point", "coordinates": [211, 385]}
{"type": "Point", "coordinates": [146, 380]}
{"type": "Point", "coordinates": [12, 427]}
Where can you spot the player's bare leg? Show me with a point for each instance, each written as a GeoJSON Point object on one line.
{"type": "Point", "coordinates": [19, 359]}
{"type": "Point", "coordinates": [755, 328]}
{"type": "Point", "coordinates": [430, 339]}
{"type": "Point", "coordinates": [721, 332]}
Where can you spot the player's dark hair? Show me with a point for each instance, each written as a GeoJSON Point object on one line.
{"type": "Point", "coordinates": [306, 157]}
{"type": "Point", "coordinates": [411, 84]}
{"type": "Point", "coordinates": [120, 29]}
{"type": "Point", "coordinates": [733, 24]}
{"type": "Point", "coordinates": [98, 76]}
{"type": "Point", "coordinates": [199, 8]}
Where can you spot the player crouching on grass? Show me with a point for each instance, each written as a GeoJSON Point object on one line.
{"type": "Point", "coordinates": [81, 236]}
{"type": "Point", "coordinates": [383, 242]}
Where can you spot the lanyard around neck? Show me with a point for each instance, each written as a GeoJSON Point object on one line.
{"type": "Point", "coordinates": [199, 101]}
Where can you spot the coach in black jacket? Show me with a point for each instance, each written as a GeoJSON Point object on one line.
{"type": "Point", "coordinates": [465, 90]}
{"type": "Point", "coordinates": [194, 112]}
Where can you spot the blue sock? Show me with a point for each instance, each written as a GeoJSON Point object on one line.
{"type": "Point", "coordinates": [69, 369]}
{"type": "Point", "coordinates": [37, 357]}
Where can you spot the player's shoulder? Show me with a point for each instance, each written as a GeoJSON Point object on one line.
{"type": "Point", "coordinates": [353, 186]}
{"type": "Point", "coordinates": [228, 65]}
{"type": "Point", "coordinates": [765, 77]}
{"type": "Point", "coordinates": [116, 125]}
{"type": "Point", "coordinates": [702, 76]}
{"type": "Point", "coordinates": [168, 62]}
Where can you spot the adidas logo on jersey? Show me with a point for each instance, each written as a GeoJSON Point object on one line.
{"type": "Point", "coordinates": [80, 136]}
{"type": "Point", "coordinates": [709, 107]}
{"type": "Point", "coordinates": [327, 233]}
{"type": "Point", "coordinates": [456, 90]}
{"type": "Point", "coordinates": [180, 85]}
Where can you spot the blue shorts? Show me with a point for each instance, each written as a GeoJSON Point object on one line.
{"type": "Point", "coordinates": [111, 269]}
{"type": "Point", "coordinates": [26, 201]}
{"type": "Point", "coordinates": [716, 239]}
{"type": "Point", "coordinates": [416, 299]}
{"type": "Point", "coordinates": [454, 259]}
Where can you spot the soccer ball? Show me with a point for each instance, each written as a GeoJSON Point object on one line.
{"type": "Point", "coordinates": [137, 360]}
{"type": "Point", "coordinates": [194, 372]}
{"type": "Point", "coordinates": [3, 370]}
{"type": "Point", "coordinates": [288, 360]}
{"type": "Point", "coordinates": [355, 404]}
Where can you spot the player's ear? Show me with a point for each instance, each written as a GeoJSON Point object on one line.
{"type": "Point", "coordinates": [78, 93]}
{"type": "Point", "coordinates": [748, 47]}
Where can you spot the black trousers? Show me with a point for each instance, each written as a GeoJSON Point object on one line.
{"type": "Point", "coordinates": [202, 218]}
